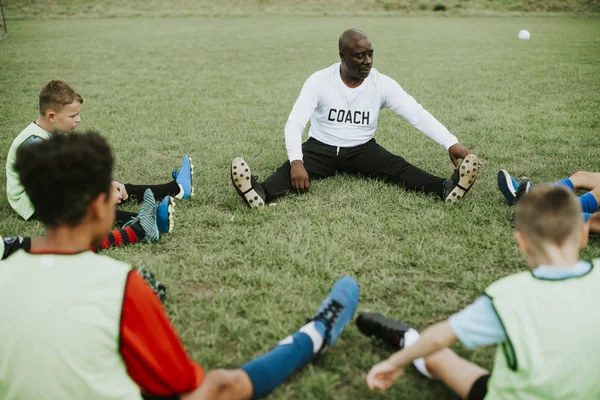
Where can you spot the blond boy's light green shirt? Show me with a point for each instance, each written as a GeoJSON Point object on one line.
{"type": "Point", "coordinates": [552, 329]}
{"type": "Point", "coordinates": [15, 192]}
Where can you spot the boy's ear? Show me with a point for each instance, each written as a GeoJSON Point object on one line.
{"type": "Point", "coordinates": [50, 115]}
{"type": "Point", "coordinates": [585, 235]}
{"type": "Point", "coordinates": [97, 208]}
{"type": "Point", "coordinates": [521, 242]}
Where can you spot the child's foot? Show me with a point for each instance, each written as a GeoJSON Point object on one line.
{"type": "Point", "coordinates": [164, 215]}
{"type": "Point", "coordinates": [147, 218]}
{"type": "Point", "coordinates": [183, 177]}
{"type": "Point", "coordinates": [508, 186]}
{"type": "Point", "coordinates": [245, 184]}
{"type": "Point", "coordinates": [377, 326]}
{"type": "Point", "coordinates": [336, 311]}
{"type": "Point", "coordinates": [462, 179]}
{"type": "Point", "coordinates": [524, 187]}
{"type": "Point", "coordinates": [397, 334]}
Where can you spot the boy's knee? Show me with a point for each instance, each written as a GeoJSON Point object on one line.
{"type": "Point", "coordinates": [221, 379]}
{"type": "Point", "coordinates": [580, 175]}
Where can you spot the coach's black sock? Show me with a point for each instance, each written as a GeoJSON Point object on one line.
{"type": "Point", "coordinates": [13, 244]}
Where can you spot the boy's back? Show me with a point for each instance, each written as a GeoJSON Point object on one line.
{"type": "Point", "coordinates": [61, 319]}
{"type": "Point", "coordinates": [552, 349]}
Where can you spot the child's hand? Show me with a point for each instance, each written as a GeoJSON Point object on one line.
{"type": "Point", "coordinates": [121, 192]}
{"type": "Point", "coordinates": [383, 375]}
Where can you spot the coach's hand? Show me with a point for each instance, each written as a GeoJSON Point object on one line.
{"type": "Point", "coordinates": [458, 151]}
{"type": "Point", "coordinates": [299, 176]}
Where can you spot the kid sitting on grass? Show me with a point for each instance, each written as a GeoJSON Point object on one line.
{"type": "Point", "coordinates": [543, 321]}
{"type": "Point", "coordinates": [59, 113]}
{"type": "Point", "coordinates": [513, 190]}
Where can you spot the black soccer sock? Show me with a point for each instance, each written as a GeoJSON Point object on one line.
{"type": "Point", "coordinates": [122, 217]}
{"type": "Point", "coordinates": [136, 192]}
{"type": "Point", "coordinates": [12, 244]}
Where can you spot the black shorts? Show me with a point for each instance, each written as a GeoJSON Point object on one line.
{"type": "Point", "coordinates": [479, 388]}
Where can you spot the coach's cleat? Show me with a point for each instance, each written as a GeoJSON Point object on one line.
{"type": "Point", "coordinates": [164, 215]}
{"type": "Point", "coordinates": [184, 176]}
{"type": "Point", "coordinates": [336, 311]}
{"type": "Point", "coordinates": [462, 179]}
{"type": "Point", "coordinates": [246, 185]}
{"type": "Point", "coordinates": [508, 186]}
{"type": "Point", "coordinates": [147, 218]}
{"type": "Point", "coordinates": [525, 186]}
{"type": "Point", "coordinates": [376, 326]}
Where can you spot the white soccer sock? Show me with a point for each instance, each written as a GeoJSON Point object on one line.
{"type": "Point", "coordinates": [181, 192]}
{"type": "Point", "coordinates": [314, 335]}
{"type": "Point", "coordinates": [410, 338]}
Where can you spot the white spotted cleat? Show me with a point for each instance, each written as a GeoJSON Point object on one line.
{"type": "Point", "coordinates": [462, 179]}
{"type": "Point", "coordinates": [246, 185]}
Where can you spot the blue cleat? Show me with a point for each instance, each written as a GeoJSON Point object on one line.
{"type": "Point", "coordinates": [147, 218]}
{"type": "Point", "coordinates": [336, 311]}
{"type": "Point", "coordinates": [508, 186]}
{"type": "Point", "coordinates": [164, 215]}
{"type": "Point", "coordinates": [184, 176]}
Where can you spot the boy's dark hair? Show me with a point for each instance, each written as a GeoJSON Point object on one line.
{"type": "Point", "coordinates": [548, 214]}
{"type": "Point", "coordinates": [57, 94]}
{"type": "Point", "coordinates": [63, 175]}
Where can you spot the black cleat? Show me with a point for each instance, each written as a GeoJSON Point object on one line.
{"type": "Point", "coordinates": [524, 187]}
{"type": "Point", "coordinates": [377, 326]}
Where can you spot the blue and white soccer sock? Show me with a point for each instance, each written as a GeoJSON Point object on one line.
{"type": "Point", "coordinates": [292, 353]}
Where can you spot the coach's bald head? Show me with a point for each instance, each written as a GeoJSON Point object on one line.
{"type": "Point", "coordinates": [349, 37]}
{"type": "Point", "coordinates": [356, 55]}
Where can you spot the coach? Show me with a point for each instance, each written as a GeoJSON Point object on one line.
{"type": "Point", "coordinates": [343, 103]}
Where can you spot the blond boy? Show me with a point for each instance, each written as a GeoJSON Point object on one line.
{"type": "Point", "coordinates": [542, 320]}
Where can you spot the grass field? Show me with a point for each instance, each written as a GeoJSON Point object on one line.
{"type": "Point", "coordinates": [239, 281]}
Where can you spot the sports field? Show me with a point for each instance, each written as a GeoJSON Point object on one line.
{"type": "Point", "coordinates": [239, 280]}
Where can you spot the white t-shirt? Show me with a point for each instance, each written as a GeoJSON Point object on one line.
{"type": "Point", "coordinates": [346, 117]}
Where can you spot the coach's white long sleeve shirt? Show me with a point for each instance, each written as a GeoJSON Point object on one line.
{"type": "Point", "coordinates": [346, 117]}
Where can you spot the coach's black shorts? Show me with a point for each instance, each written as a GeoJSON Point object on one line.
{"type": "Point", "coordinates": [479, 389]}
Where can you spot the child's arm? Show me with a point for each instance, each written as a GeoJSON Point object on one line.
{"type": "Point", "coordinates": [433, 339]}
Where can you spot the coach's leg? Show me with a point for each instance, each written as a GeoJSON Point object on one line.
{"type": "Point", "coordinates": [373, 161]}
{"type": "Point", "coordinates": [319, 161]}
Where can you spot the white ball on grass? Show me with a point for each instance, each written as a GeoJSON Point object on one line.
{"type": "Point", "coordinates": [524, 35]}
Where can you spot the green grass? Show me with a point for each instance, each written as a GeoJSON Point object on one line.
{"type": "Point", "coordinates": [239, 281]}
{"type": "Point", "coordinates": [110, 8]}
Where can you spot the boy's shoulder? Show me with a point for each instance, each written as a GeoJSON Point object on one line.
{"type": "Point", "coordinates": [31, 134]}
{"type": "Point", "coordinates": [507, 283]}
